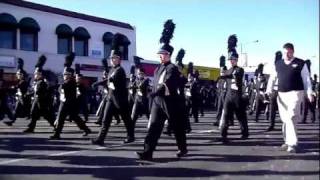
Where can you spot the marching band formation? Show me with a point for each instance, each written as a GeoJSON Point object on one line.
{"type": "Point", "coordinates": [171, 100]}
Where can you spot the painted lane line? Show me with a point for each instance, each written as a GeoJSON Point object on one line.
{"type": "Point", "coordinates": [64, 153]}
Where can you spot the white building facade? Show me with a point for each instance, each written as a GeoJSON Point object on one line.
{"type": "Point", "coordinates": [29, 30]}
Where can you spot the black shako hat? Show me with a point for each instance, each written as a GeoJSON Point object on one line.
{"type": "Point", "coordinates": [166, 36]}
{"type": "Point", "coordinates": [20, 67]}
{"type": "Point", "coordinates": [115, 46]}
{"type": "Point", "coordinates": [232, 44]}
{"type": "Point", "coordinates": [180, 57]}
{"type": "Point", "coordinates": [68, 63]}
{"type": "Point", "coordinates": [39, 66]}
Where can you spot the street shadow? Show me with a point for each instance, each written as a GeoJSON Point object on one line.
{"type": "Point", "coordinates": [246, 158]}
{"type": "Point", "coordinates": [19, 144]}
{"type": "Point", "coordinates": [133, 173]}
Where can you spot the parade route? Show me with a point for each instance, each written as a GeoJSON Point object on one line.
{"type": "Point", "coordinates": [33, 156]}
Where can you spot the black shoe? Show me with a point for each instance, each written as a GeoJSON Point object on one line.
{"type": "Point", "coordinates": [167, 133]}
{"type": "Point", "coordinates": [98, 122]}
{"type": "Point", "coordinates": [28, 131]}
{"type": "Point", "coordinates": [188, 130]}
{"type": "Point", "coordinates": [8, 123]}
{"type": "Point", "coordinates": [216, 124]}
{"type": "Point", "coordinates": [97, 142]}
{"type": "Point", "coordinates": [128, 140]}
{"type": "Point", "coordinates": [270, 128]}
{"type": "Point", "coordinates": [223, 140]}
{"type": "Point", "coordinates": [86, 132]}
{"type": "Point", "coordinates": [144, 156]}
{"type": "Point", "coordinates": [55, 137]}
{"type": "Point", "coordinates": [244, 136]}
{"type": "Point", "coordinates": [182, 153]}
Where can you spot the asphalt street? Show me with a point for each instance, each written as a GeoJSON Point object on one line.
{"type": "Point", "coordinates": [34, 156]}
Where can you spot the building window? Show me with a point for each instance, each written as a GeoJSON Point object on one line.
{"type": "Point", "coordinates": [81, 47]}
{"type": "Point", "coordinates": [64, 45]}
{"type": "Point", "coordinates": [81, 38]}
{"type": "Point", "coordinates": [124, 52]}
{"type": "Point", "coordinates": [107, 50]}
{"type": "Point", "coordinates": [107, 40]}
{"type": "Point", "coordinates": [124, 47]}
{"type": "Point", "coordinates": [29, 29]}
{"type": "Point", "coordinates": [8, 31]}
{"type": "Point", "coordinates": [64, 34]}
{"type": "Point", "coordinates": [8, 38]}
{"type": "Point", "coordinates": [28, 41]}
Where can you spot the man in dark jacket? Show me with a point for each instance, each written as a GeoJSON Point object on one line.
{"type": "Point", "coordinates": [233, 101]}
{"type": "Point", "coordinates": [68, 101]}
{"type": "Point", "coordinates": [23, 100]}
{"type": "Point", "coordinates": [192, 97]}
{"type": "Point", "coordinates": [141, 102]}
{"type": "Point", "coordinates": [117, 96]}
{"type": "Point", "coordinates": [82, 94]}
{"type": "Point", "coordinates": [165, 100]}
{"type": "Point", "coordinates": [40, 104]}
{"type": "Point", "coordinates": [4, 105]}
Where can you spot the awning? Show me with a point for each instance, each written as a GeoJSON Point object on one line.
{"type": "Point", "coordinates": [81, 33]}
{"type": "Point", "coordinates": [64, 30]}
{"type": "Point", "coordinates": [7, 20]}
{"type": "Point", "coordinates": [125, 40]}
{"type": "Point", "coordinates": [107, 37]}
{"type": "Point", "coordinates": [29, 24]}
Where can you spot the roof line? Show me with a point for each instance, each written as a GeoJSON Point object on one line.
{"type": "Point", "coordinates": [63, 12]}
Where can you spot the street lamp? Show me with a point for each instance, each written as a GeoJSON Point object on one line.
{"type": "Point", "coordinates": [245, 55]}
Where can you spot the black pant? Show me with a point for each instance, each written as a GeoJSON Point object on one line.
{"type": "Point", "coordinates": [252, 101]}
{"type": "Point", "coordinates": [22, 108]}
{"type": "Point", "coordinates": [309, 106]}
{"type": "Point", "coordinates": [37, 111]}
{"type": "Point", "coordinates": [234, 104]}
{"type": "Point", "coordinates": [140, 107]}
{"type": "Point", "coordinates": [194, 106]}
{"type": "Point", "coordinates": [158, 118]}
{"type": "Point", "coordinates": [5, 110]}
{"type": "Point", "coordinates": [273, 107]}
{"type": "Point", "coordinates": [83, 107]}
{"type": "Point", "coordinates": [100, 111]}
{"type": "Point", "coordinates": [220, 106]}
{"type": "Point", "coordinates": [111, 110]}
{"type": "Point", "coordinates": [185, 113]}
{"type": "Point", "coordinates": [201, 106]}
{"type": "Point", "coordinates": [66, 109]}
{"type": "Point", "coordinates": [259, 105]}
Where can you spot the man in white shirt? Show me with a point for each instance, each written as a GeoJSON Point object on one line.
{"type": "Point", "coordinates": [293, 81]}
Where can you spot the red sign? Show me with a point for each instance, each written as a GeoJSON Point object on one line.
{"type": "Point", "coordinates": [90, 67]}
{"type": "Point", "coordinates": [149, 68]}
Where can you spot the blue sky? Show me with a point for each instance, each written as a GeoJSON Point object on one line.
{"type": "Point", "coordinates": [203, 26]}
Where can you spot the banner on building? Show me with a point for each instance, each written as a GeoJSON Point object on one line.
{"type": "Point", "coordinates": [7, 61]}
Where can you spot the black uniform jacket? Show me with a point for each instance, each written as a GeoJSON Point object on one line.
{"type": "Point", "coordinates": [117, 83]}
{"type": "Point", "coordinates": [142, 89]}
{"type": "Point", "coordinates": [165, 93]}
